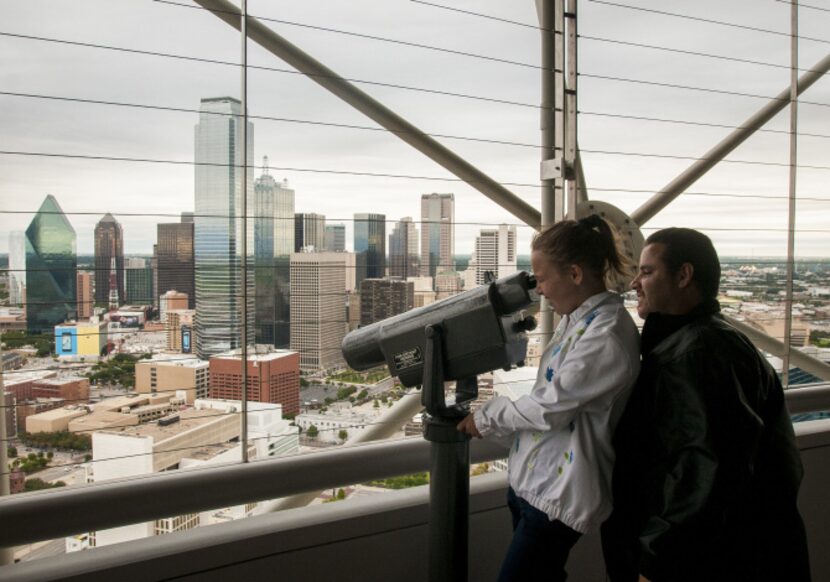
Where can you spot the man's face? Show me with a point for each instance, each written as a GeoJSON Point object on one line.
{"type": "Point", "coordinates": [656, 287]}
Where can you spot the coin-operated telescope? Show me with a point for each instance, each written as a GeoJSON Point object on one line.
{"type": "Point", "coordinates": [477, 331]}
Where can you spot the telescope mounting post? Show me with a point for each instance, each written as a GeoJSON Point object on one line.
{"type": "Point", "coordinates": [449, 471]}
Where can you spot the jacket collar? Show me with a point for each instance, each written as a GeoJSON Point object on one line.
{"type": "Point", "coordinates": [587, 306]}
{"type": "Point", "coordinates": [659, 326]}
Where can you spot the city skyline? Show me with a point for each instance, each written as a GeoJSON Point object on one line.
{"type": "Point", "coordinates": [325, 158]}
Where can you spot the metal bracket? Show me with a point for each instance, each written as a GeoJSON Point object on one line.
{"type": "Point", "coordinates": [555, 169]}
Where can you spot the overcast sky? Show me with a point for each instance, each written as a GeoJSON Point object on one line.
{"type": "Point", "coordinates": [157, 192]}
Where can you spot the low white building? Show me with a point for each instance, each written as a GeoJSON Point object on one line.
{"type": "Point", "coordinates": [206, 433]}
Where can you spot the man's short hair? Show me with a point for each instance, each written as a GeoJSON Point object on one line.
{"type": "Point", "coordinates": [684, 245]}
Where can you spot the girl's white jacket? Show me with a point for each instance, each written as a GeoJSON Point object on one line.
{"type": "Point", "coordinates": [561, 458]}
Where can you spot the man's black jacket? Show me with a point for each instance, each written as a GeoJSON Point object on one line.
{"type": "Point", "coordinates": [707, 471]}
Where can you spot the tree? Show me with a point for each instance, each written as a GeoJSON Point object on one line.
{"type": "Point", "coordinates": [12, 452]}
{"type": "Point", "coordinates": [376, 404]}
{"type": "Point", "coordinates": [343, 434]}
{"type": "Point", "coordinates": [35, 484]}
{"type": "Point", "coordinates": [312, 432]}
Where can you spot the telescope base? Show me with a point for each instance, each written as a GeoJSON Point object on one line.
{"type": "Point", "coordinates": [449, 499]}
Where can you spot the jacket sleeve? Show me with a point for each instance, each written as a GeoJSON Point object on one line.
{"type": "Point", "coordinates": [598, 366]}
{"type": "Point", "coordinates": [679, 497]}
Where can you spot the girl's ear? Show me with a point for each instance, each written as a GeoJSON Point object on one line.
{"type": "Point", "coordinates": [576, 274]}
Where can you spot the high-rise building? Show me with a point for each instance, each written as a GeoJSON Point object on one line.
{"type": "Point", "coordinates": [139, 285]}
{"type": "Point", "coordinates": [382, 298]}
{"type": "Point", "coordinates": [51, 265]}
{"type": "Point", "coordinates": [175, 259]}
{"type": "Point", "coordinates": [424, 290]}
{"type": "Point", "coordinates": [437, 233]}
{"type": "Point", "coordinates": [109, 247]}
{"type": "Point", "coordinates": [178, 327]}
{"type": "Point", "coordinates": [309, 231]}
{"type": "Point", "coordinates": [17, 268]}
{"type": "Point", "coordinates": [318, 309]}
{"type": "Point", "coordinates": [370, 241]}
{"type": "Point", "coordinates": [447, 284]}
{"type": "Point", "coordinates": [154, 265]}
{"type": "Point", "coordinates": [404, 249]}
{"type": "Point", "coordinates": [273, 245]}
{"type": "Point", "coordinates": [172, 301]}
{"type": "Point", "coordinates": [336, 237]}
{"type": "Point", "coordinates": [84, 293]}
{"type": "Point", "coordinates": [273, 377]}
{"type": "Point", "coordinates": [218, 227]}
{"type": "Point", "coordinates": [495, 251]}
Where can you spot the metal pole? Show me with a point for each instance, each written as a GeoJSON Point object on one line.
{"type": "Point", "coordinates": [788, 301]}
{"type": "Point", "coordinates": [244, 94]}
{"type": "Point", "coordinates": [385, 426]}
{"type": "Point", "coordinates": [449, 500]}
{"type": "Point", "coordinates": [581, 183]}
{"type": "Point", "coordinates": [551, 210]}
{"type": "Point", "coordinates": [769, 344]}
{"type": "Point", "coordinates": [570, 151]}
{"type": "Point", "coordinates": [376, 111]}
{"type": "Point", "coordinates": [6, 554]}
{"type": "Point", "coordinates": [676, 187]}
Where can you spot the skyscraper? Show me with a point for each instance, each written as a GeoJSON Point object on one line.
{"type": "Point", "coordinates": [109, 245]}
{"type": "Point", "coordinates": [139, 276]}
{"type": "Point", "coordinates": [218, 227]}
{"type": "Point", "coordinates": [51, 265]}
{"type": "Point", "coordinates": [403, 249]}
{"type": "Point", "coordinates": [370, 241]}
{"type": "Point", "coordinates": [17, 268]}
{"type": "Point", "coordinates": [273, 244]}
{"type": "Point", "coordinates": [84, 294]}
{"type": "Point", "coordinates": [382, 298]}
{"type": "Point", "coordinates": [495, 251]}
{"type": "Point", "coordinates": [175, 259]}
{"type": "Point", "coordinates": [309, 231]}
{"type": "Point", "coordinates": [336, 237]}
{"type": "Point", "coordinates": [437, 233]}
{"type": "Point", "coordinates": [318, 309]}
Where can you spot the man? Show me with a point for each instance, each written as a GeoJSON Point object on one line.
{"type": "Point", "coordinates": [707, 471]}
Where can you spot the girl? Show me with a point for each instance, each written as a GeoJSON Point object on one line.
{"type": "Point", "coordinates": [561, 458]}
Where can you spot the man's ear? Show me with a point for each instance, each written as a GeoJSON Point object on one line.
{"type": "Point", "coordinates": [685, 275]}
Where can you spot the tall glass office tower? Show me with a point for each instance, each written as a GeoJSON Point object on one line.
{"type": "Point", "coordinates": [218, 227]}
{"type": "Point", "coordinates": [109, 245]}
{"type": "Point", "coordinates": [437, 233]}
{"type": "Point", "coordinates": [273, 242]}
{"type": "Point", "coordinates": [174, 259]}
{"type": "Point", "coordinates": [336, 237]}
{"type": "Point", "coordinates": [403, 249]}
{"type": "Point", "coordinates": [51, 263]}
{"type": "Point", "coordinates": [370, 242]}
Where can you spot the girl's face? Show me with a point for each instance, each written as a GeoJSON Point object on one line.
{"type": "Point", "coordinates": [560, 286]}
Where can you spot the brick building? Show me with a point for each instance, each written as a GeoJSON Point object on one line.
{"type": "Point", "coordinates": [273, 376]}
